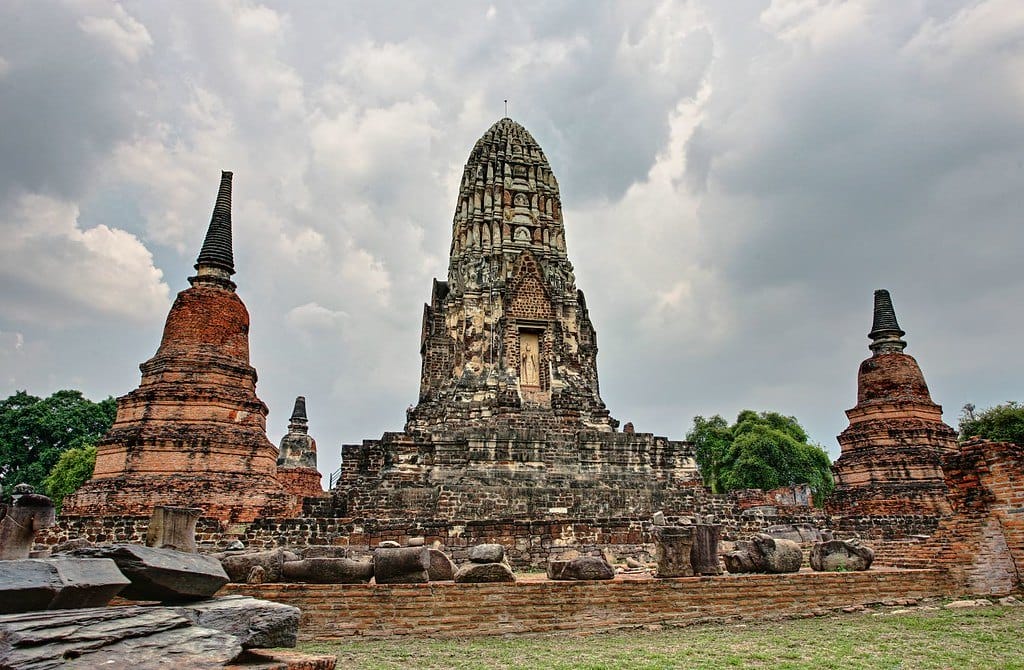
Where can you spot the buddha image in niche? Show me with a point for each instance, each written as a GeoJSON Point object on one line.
{"type": "Point", "coordinates": [529, 367]}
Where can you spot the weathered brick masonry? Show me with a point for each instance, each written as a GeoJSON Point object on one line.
{"type": "Point", "coordinates": [982, 542]}
{"type": "Point", "coordinates": [194, 432]}
{"type": "Point", "coordinates": [891, 460]}
{"type": "Point", "coordinates": [509, 421]}
{"type": "Point", "coordinates": [456, 610]}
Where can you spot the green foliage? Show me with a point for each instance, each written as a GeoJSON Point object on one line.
{"type": "Point", "coordinates": [34, 432]}
{"type": "Point", "coordinates": [712, 439]}
{"type": "Point", "coordinates": [1002, 423]}
{"type": "Point", "coordinates": [73, 468]}
{"type": "Point", "coordinates": [763, 450]}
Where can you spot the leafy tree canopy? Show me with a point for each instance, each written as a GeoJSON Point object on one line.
{"type": "Point", "coordinates": [73, 468]}
{"type": "Point", "coordinates": [1002, 423]}
{"type": "Point", "coordinates": [34, 432]}
{"type": "Point", "coordinates": [763, 450]}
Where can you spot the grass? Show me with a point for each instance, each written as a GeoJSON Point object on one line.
{"type": "Point", "coordinates": [987, 637]}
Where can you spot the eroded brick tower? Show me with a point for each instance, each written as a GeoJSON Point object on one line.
{"type": "Point", "coordinates": [510, 421]}
{"type": "Point", "coordinates": [891, 460]}
{"type": "Point", "coordinates": [194, 432]}
{"type": "Point", "coordinates": [509, 331]}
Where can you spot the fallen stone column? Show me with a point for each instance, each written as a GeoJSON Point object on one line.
{"type": "Point", "coordinates": [328, 571]}
{"type": "Point", "coordinates": [581, 568]}
{"type": "Point", "coordinates": [239, 566]}
{"type": "Point", "coordinates": [401, 565]}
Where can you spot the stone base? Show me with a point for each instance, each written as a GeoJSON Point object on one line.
{"type": "Point", "coordinates": [301, 482]}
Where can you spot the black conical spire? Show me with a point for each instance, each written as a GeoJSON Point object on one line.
{"type": "Point", "coordinates": [885, 331]}
{"type": "Point", "coordinates": [298, 422]}
{"type": "Point", "coordinates": [216, 251]}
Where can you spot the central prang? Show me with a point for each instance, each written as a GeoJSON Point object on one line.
{"type": "Point", "coordinates": [509, 331]}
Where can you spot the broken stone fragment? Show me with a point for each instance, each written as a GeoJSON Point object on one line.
{"type": "Point", "coordinates": [71, 545]}
{"type": "Point", "coordinates": [29, 514]}
{"type": "Point", "coordinates": [841, 556]}
{"type": "Point", "coordinates": [441, 569]}
{"type": "Point", "coordinates": [388, 544]}
{"type": "Point", "coordinates": [487, 553]}
{"type": "Point", "coordinates": [29, 584]}
{"type": "Point", "coordinates": [328, 571]}
{"type": "Point", "coordinates": [401, 565]}
{"type": "Point", "coordinates": [704, 553]}
{"type": "Point", "coordinates": [256, 623]}
{"type": "Point", "coordinates": [581, 568]}
{"type": "Point", "coordinates": [238, 566]}
{"type": "Point", "coordinates": [803, 533]}
{"type": "Point", "coordinates": [780, 556]}
{"type": "Point", "coordinates": [417, 541]}
{"type": "Point", "coordinates": [162, 574]}
{"type": "Point", "coordinates": [478, 573]}
{"type": "Point", "coordinates": [764, 553]}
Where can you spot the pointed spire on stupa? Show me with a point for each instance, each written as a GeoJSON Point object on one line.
{"type": "Point", "coordinates": [299, 423]}
{"type": "Point", "coordinates": [886, 335]}
{"type": "Point", "coordinates": [216, 257]}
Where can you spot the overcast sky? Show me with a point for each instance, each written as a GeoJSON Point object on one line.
{"type": "Point", "coordinates": [737, 178]}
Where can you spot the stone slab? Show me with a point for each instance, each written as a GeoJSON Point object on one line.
{"type": "Point", "coordinates": [31, 584]}
{"type": "Point", "coordinates": [162, 574]}
{"type": "Point", "coordinates": [111, 637]}
{"type": "Point", "coordinates": [256, 623]}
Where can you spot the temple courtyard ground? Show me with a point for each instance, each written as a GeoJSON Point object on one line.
{"type": "Point", "coordinates": [924, 637]}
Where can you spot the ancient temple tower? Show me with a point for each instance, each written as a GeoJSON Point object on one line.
{"type": "Point", "coordinates": [891, 460]}
{"type": "Point", "coordinates": [296, 462]}
{"type": "Point", "coordinates": [194, 432]}
{"type": "Point", "coordinates": [509, 420]}
{"type": "Point", "coordinates": [509, 331]}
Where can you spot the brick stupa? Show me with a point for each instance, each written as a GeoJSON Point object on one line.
{"type": "Point", "coordinates": [509, 421]}
{"type": "Point", "coordinates": [891, 460]}
{"type": "Point", "coordinates": [194, 432]}
{"type": "Point", "coordinates": [296, 462]}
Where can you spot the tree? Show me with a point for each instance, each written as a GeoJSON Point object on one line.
{"type": "Point", "coordinates": [763, 450]}
{"type": "Point", "coordinates": [1002, 423]}
{"type": "Point", "coordinates": [34, 432]}
{"type": "Point", "coordinates": [73, 468]}
{"type": "Point", "coordinates": [711, 439]}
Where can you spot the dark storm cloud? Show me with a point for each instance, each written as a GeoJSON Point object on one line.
{"type": "Point", "coordinates": [66, 100]}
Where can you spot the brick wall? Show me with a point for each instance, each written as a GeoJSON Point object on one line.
{"type": "Point", "coordinates": [332, 611]}
{"type": "Point", "coordinates": [982, 542]}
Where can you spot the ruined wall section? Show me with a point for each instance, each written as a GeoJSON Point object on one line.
{"type": "Point", "coordinates": [982, 542]}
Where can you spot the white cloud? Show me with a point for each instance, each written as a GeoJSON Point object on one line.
{"type": "Point", "coordinates": [65, 273]}
{"type": "Point", "coordinates": [122, 33]}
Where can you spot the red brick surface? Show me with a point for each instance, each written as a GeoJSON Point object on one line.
{"type": "Point", "coordinates": [194, 432]}
{"type": "Point", "coordinates": [443, 609]}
